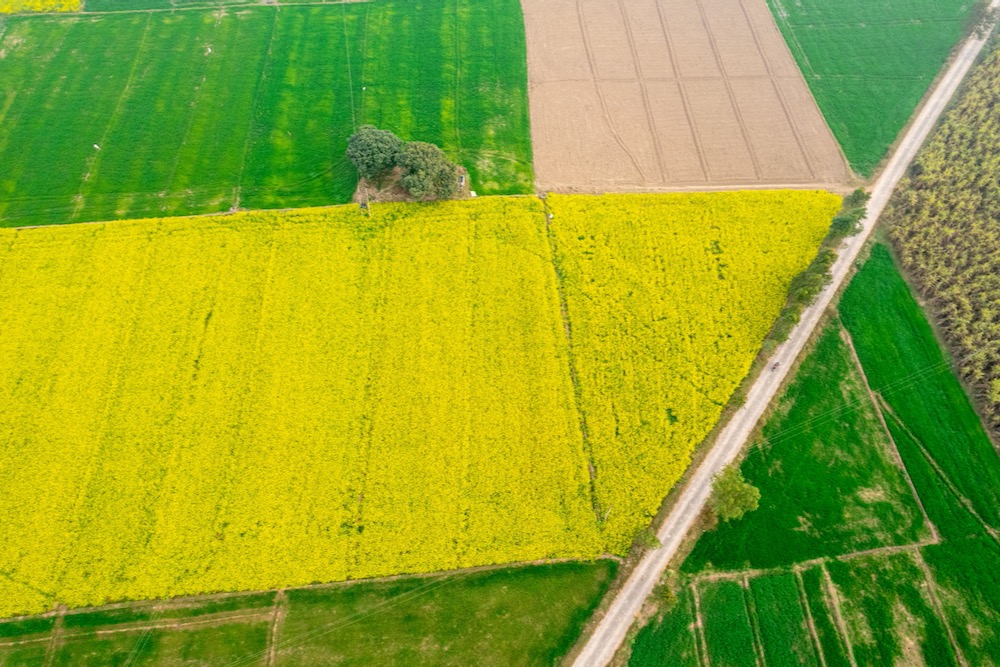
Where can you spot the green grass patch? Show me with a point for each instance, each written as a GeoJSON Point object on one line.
{"type": "Point", "coordinates": [906, 365]}
{"type": "Point", "coordinates": [888, 614]}
{"type": "Point", "coordinates": [516, 616]}
{"type": "Point", "coordinates": [784, 633]}
{"type": "Point", "coordinates": [828, 483]}
{"type": "Point", "coordinates": [519, 616]}
{"type": "Point", "coordinates": [215, 645]}
{"type": "Point", "coordinates": [28, 626]}
{"type": "Point", "coordinates": [727, 625]}
{"type": "Point", "coordinates": [199, 111]}
{"type": "Point", "coordinates": [181, 609]}
{"type": "Point", "coordinates": [967, 577]}
{"type": "Point", "coordinates": [30, 655]}
{"type": "Point", "coordinates": [869, 62]}
{"type": "Point", "coordinates": [670, 640]}
{"type": "Point", "coordinates": [831, 641]}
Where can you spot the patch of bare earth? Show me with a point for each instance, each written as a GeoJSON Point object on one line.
{"type": "Point", "coordinates": [388, 188]}
{"type": "Point", "coordinates": [659, 95]}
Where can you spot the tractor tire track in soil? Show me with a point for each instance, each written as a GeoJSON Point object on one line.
{"type": "Point", "coordinates": [611, 90]}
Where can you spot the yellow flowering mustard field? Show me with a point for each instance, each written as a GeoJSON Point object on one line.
{"type": "Point", "coordinates": [17, 6]}
{"type": "Point", "coordinates": [270, 399]}
{"type": "Point", "coordinates": [670, 298]}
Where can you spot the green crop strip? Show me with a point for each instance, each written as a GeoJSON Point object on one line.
{"type": "Point", "coordinates": [922, 597]}
{"type": "Point", "coordinates": [156, 113]}
{"type": "Point", "coordinates": [869, 62]}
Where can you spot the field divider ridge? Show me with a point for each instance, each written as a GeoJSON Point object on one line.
{"type": "Point", "coordinates": [939, 608]}
{"type": "Point", "coordinates": [254, 106]}
{"type": "Point", "coordinates": [807, 612]}
{"type": "Point", "coordinates": [849, 340]}
{"type": "Point", "coordinates": [95, 160]}
{"type": "Point", "coordinates": [942, 475]}
{"type": "Point", "coordinates": [730, 95]}
{"type": "Point", "coordinates": [751, 608]}
{"type": "Point", "coordinates": [277, 624]}
{"type": "Point", "coordinates": [830, 590]}
{"type": "Point", "coordinates": [606, 111]}
{"type": "Point", "coordinates": [571, 360]}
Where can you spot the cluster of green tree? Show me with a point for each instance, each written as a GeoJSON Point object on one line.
{"type": "Point", "coordinates": [944, 221]}
{"type": "Point", "coordinates": [426, 172]}
{"type": "Point", "coordinates": [806, 286]}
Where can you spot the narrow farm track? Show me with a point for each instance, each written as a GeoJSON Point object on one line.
{"type": "Point", "coordinates": [602, 645]}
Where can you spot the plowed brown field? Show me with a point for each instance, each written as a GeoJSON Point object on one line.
{"type": "Point", "coordinates": [645, 95]}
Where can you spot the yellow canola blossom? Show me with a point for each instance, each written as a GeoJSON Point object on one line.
{"type": "Point", "coordinates": [270, 399]}
{"type": "Point", "coordinates": [18, 6]}
{"type": "Point", "coordinates": [670, 297]}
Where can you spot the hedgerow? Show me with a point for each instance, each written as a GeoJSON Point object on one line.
{"type": "Point", "coordinates": [943, 224]}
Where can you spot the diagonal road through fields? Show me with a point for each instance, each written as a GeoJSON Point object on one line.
{"type": "Point", "coordinates": [602, 645]}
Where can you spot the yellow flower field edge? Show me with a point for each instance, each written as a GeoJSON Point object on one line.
{"type": "Point", "coordinates": [19, 6]}
{"type": "Point", "coordinates": [669, 299]}
{"type": "Point", "coordinates": [271, 399]}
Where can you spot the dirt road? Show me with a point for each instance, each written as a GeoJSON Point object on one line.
{"type": "Point", "coordinates": [604, 642]}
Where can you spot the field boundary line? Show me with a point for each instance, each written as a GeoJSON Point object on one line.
{"type": "Point", "coordinates": [800, 586]}
{"type": "Point", "coordinates": [261, 79]}
{"type": "Point", "coordinates": [350, 72]}
{"type": "Point", "coordinates": [145, 627]}
{"type": "Point", "coordinates": [750, 605]}
{"type": "Point", "coordinates": [611, 630]}
{"type": "Point", "coordinates": [777, 89]}
{"type": "Point", "coordinates": [94, 162]}
{"type": "Point", "coordinates": [336, 624]}
{"type": "Point", "coordinates": [44, 637]}
{"type": "Point", "coordinates": [692, 628]}
{"type": "Point", "coordinates": [194, 601]}
{"type": "Point", "coordinates": [938, 607]}
{"type": "Point", "coordinates": [55, 640]}
{"type": "Point", "coordinates": [845, 335]}
{"type": "Point", "coordinates": [699, 628]}
{"type": "Point", "coordinates": [278, 614]}
{"type": "Point", "coordinates": [883, 551]}
{"type": "Point", "coordinates": [458, 77]}
{"type": "Point", "coordinates": [359, 480]}
{"type": "Point", "coordinates": [612, 128]}
{"type": "Point", "coordinates": [702, 160]}
{"type": "Point", "coordinates": [643, 89]}
{"type": "Point", "coordinates": [954, 490]}
{"type": "Point", "coordinates": [781, 18]}
{"type": "Point", "coordinates": [754, 573]}
{"type": "Point", "coordinates": [754, 160]}
{"type": "Point", "coordinates": [830, 591]}
{"type": "Point", "coordinates": [574, 376]}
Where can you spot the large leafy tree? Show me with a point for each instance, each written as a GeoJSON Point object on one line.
{"type": "Point", "coordinates": [374, 151]}
{"type": "Point", "coordinates": [427, 171]}
{"type": "Point", "coordinates": [733, 496]}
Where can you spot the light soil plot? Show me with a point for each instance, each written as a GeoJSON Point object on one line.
{"type": "Point", "coordinates": [651, 95]}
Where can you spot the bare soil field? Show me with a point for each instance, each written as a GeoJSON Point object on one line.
{"type": "Point", "coordinates": [649, 95]}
